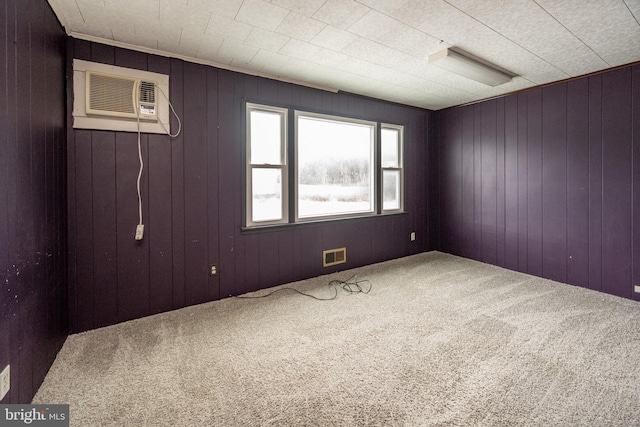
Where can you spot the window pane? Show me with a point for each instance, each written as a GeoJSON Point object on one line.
{"type": "Point", "coordinates": [266, 200]}
{"type": "Point", "coordinates": [390, 148]}
{"type": "Point", "coordinates": [334, 167]}
{"type": "Point", "coordinates": [390, 190]}
{"type": "Point", "coordinates": [266, 138]}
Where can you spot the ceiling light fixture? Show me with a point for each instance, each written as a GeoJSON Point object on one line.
{"type": "Point", "coordinates": [468, 66]}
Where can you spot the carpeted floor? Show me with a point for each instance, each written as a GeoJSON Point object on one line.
{"type": "Point", "coordinates": [439, 341]}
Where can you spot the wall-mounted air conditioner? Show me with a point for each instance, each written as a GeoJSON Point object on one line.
{"type": "Point", "coordinates": [115, 98]}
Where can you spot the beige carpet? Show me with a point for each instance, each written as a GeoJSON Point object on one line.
{"type": "Point", "coordinates": [439, 341]}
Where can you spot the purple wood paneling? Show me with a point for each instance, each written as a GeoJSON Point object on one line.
{"type": "Point", "coordinates": [534, 182]}
{"type": "Point", "coordinates": [252, 269]}
{"type": "Point", "coordinates": [285, 264]}
{"type": "Point", "coordinates": [226, 169]}
{"type": "Point", "coordinates": [488, 183]}
{"type": "Point", "coordinates": [523, 184]}
{"type": "Point", "coordinates": [554, 182]}
{"type": "Point", "coordinates": [451, 204]}
{"type": "Point", "coordinates": [511, 181]}
{"type": "Point", "coordinates": [33, 249]}
{"type": "Point", "coordinates": [269, 259]}
{"type": "Point", "coordinates": [578, 182]}
{"type": "Point", "coordinates": [195, 175]}
{"type": "Point", "coordinates": [500, 184]}
{"type": "Point", "coordinates": [132, 285]}
{"type": "Point", "coordinates": [595, 182]}
{"type": "Point", "coordinates": [565, 180]}
{"type": "Point", "coordinates": [213, 251]}
{"type": "Point", "coordinates": [105, 257]}
{"type": "Point", "coordinates": [616, 182]}
{"type": "Point", "coordinates": [477, 182]}
{"type": "Point", "coordinates": [635, 259]}
{"type": "Point", "coordinates": [158, 222]}
{"type": "Point", "coordinates": [176, 89]}
{"type": "Point", "coordinates": [83, 297]}
{"type": "Point", "coordinates": [468, 196]}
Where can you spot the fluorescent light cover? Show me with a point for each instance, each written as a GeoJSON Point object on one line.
{"type": "Point", "coordinates": [469, 68]}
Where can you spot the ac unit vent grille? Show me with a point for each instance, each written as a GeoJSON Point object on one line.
{"type": "Point", "coordinates": [147, 92]}
{"type": "Point", "coordinates": [111, 95]}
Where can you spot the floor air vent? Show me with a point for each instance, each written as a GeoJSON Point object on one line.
{"type": "Point", "coordinates": [334, 256]}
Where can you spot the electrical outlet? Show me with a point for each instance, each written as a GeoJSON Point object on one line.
{"type": "Point", "coordinates": [214, 270]}
{"type": "Point", "coordinates": [636, 289]}
{"type": "Point", "coordinates": [413, 236]}
{"type": "Point", "coordinates": [139, 232]}
{"type": "Point", "coordinates": [5, 382]}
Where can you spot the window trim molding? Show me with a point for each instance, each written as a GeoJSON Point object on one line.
{"type": "Point", "coordinates": [289, 185]}
{"type": "Point", "coordinates": [283, 166]}
{"type": "Point", "coordinates": [400, 168]}
{"type": "Point", "coordinates": [373, 169]}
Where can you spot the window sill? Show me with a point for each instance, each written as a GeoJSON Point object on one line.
{"type": "Point", "coordinates": [317, 222]}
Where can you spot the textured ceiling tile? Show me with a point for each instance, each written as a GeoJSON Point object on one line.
{"type": "Point", "coordinates": [105, 17]}
{"type": "Point", "coordinates": [374, 26]}
{"type": "Point", "coordinates": [101, 30]}
{"type": "Point", "coordinates": [329, 58]}
{"type": "Point", "coordinates": [375, 52]}
{"type": "Point", "coordinates": [144, 40]}
{"type": "Point", "coordinates": [303, 7]}
{"type": "Point", "coordinates": [540, 40]}
{"type": "Point", "coordinates": [261, 14]}
{"type": "Point", "coordinates": [226, 8]}
{"type": "Point", "coordinates": [333, 38]}
{"type": "Point", "coordinates": [177, 14]}
{"type": "Point", "coordinates": [605, 26]}
{"type": "Point", "coordinates": [139, 8]}
{"type": "Point", "coordinates": [634, 8]}
{"type": "Point", "coordinates": [385, 6]}
{"type": "Point", "coordinates": [153, 29]}
{"type": "Point", "coordinates": [623, 57]}
{"type": "Point", "coordinates": [227, 28]}
{"type": "Point", "coordinates": [340, 13]}
{"type": "Point", "coordinates": [264, 39]}
{"type": "Point", "coordinates": [521, 21]}
{"type": "Point", "coordinates": [232, 52]}
{"type": "Point", "coordinates": [299, 49]}
{"type": "Point", "coordinates": [414, 42]}
{"type": "Point", "coordinates": [300, 27]}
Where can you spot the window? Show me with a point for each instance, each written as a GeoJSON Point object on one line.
{"type": "Point", "coordinates": [266, 165]}
{"type": "Point", "coordinates": [341, 167]}
{"type": "Point", "coordinates": [334, 166]}
{"type": "Point", "coordinates": [392, 176]}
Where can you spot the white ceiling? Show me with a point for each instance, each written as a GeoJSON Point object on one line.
{"type": "Point", "coordinates": [377, 48]}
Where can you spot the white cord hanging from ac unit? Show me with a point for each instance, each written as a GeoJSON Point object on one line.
{"type": "Point", "coordinates": [140, 228]}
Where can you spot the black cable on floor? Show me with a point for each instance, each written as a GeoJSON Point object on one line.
{"type": "Point", "coordinates": [352, 286]}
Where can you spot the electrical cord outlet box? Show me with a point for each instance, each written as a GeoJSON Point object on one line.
{"type": "Point", "coordinates": [139, 232]}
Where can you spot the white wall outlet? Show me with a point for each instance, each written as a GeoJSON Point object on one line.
{"type": "Point", "coordinates": [413, 236]}
{"type": "Point", "coordinates": [5, 382]}
{"type": "Point", "coordinates": [636, 289]}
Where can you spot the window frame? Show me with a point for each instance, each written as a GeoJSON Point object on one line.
{"type": "Point", "coordinates": [399, 168]}
{"type": "Point", "coordinates": [289, 168]}
{"type": "Point", "coordinates": [373, 193]}
{"type": "Point", "coordinates": [283, 166]}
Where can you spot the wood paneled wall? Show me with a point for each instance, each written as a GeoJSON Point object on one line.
{"type": "Point", "coordinates": [192, 191]}
{"type": "Point", "coordinates": [547, 181]}
{"type": "Point", "coordinates": [33, 288]}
